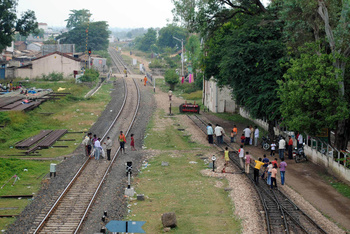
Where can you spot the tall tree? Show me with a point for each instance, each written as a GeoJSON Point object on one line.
{"type": "Point", "coordinates": [77, 18]}
{"type": "Point", "coordinates": [9, 23]}
{"type": "Point", "coordinates": [167, 34]}
{"type": "Point", "coordinates": [148, 40]}
{"type": "Point", "coordinates": [98, 36]}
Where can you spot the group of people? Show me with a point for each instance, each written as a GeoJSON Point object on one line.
{"type": "Point", "coordinates": [93, 146]}
{"type": "Point", "coordinates": [218, 131]}
{"type": "Point", "coordinates": [10, 86]}
{"type": "Point", "coordinates": [283, 145]}
{"type": "Point", "coordinates": [250, 135]}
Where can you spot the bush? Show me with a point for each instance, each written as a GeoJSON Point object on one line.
{"type": "Point", "coordinates": [90, 75]}
{"type": "Point", "coordinates": [171, 78]}
{"type": "Point", "coordinates": [156, 63]}
{"type": "Point", "coordinates": [54, 76]}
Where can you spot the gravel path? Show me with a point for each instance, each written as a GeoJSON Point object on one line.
{"type": "Point", "coordinates": [65, 170]}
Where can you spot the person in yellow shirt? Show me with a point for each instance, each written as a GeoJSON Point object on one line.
{"type": "Point", "coordinates": [258, 165]}
{"type": "Point", "coordinates": [226, 156]}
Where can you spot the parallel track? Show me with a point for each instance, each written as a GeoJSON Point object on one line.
{"type": "Point", "coordinates": [118, 61]}
{"type": "Point", "coordinates": [72, 206]}
{"type": "Point", "coordinates": [282, 215]}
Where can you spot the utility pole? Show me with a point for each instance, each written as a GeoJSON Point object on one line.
{"type": "Point", "coordinates": [182, 55]}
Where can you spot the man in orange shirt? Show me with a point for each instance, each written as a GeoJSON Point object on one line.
{"type": "Point", "coordinates": [122, 141]}
{"type": "Point", "coordinates": [145, 80]}
{"type": "Point", "coordinates": [234, 133]}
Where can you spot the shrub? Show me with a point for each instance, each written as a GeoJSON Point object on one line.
{"type": "Point", "coordinates": [53, 76]}
{"type": "Point", "coordinates": [171, 78]}
{"type": "Point", "coordinates": [90, 75]}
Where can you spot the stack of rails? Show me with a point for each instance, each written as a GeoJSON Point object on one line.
{"type": "Point", "coordinates": [25, 144]}
{"type": "Point", "coordinates": [16, 104]}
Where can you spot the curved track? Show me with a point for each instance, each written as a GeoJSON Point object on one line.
{"type": "Point", "coordinates": [72, 206]}
{"type": "Point", "coordinates": [282, 215]}
{"type": "Point", "coordinates": [118, 61]}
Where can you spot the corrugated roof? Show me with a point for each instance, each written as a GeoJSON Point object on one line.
{"type": "Point", "coordinates": [59, 53]}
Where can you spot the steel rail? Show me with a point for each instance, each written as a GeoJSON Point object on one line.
{"type": "Point", "coordinates": [120, 61]}
{"type": "Point", "coordinates": [54, 206]}
{"type": "Point", "coordinates": [283, 209]}
{"type": "Point", "coordinates": [110, 165]}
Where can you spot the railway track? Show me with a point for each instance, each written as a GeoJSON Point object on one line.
{"type": "Point", "coordinates": [72, 206]}
{"type": "Point", "coordinates": [281, 214]}
{"type": "Point", "coordinates": [118, 61]}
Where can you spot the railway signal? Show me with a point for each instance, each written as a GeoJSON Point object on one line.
{"type": "Point", "coordinates": [129, 191]}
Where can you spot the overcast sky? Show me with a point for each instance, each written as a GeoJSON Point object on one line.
{"type": "Point", "coordinates": [118, 13]}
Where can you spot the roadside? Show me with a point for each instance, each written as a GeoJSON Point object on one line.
{"type": "Point", "coordinates": [304, 178]}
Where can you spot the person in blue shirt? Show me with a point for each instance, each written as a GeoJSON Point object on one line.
{"type": "Point", "coordinates": [210, 133]}
{"type": "Point", "coordinates": [266, 163]}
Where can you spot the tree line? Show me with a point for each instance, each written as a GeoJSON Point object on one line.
{"type": "Point", "coordinates": [286, 62]}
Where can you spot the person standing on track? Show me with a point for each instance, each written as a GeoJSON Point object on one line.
{"type": "Point", "coordinates": [241, 156]}
{"type": "Point", "coordinates": [269, 168]}
{"type": "Point", "coordinates": [219, 132]}
{"type": "Point", "coordinates": [247, 162]}
{"type": "Point", "coordinates": [235, 131]}
{"type": "Point", "coordinates": [108, 144]}
{"type": "Point", "coordinates": [87, 142]}
{"type": "Point", "coordinates": [258, 165]}
{"type": "Point", "coordinates": [283, 166]}
{"type": "Point", "coordinates": [266, 163]}
{"type": "Point", "coordinates": [274, 176]}
{"type": "Point", "coordinates": [122, 141]}
{"type": "Point", "coordinates": [145, 81]}
{"type": "Point", "coordinates": [132, 142]}
{"type": "Point", "coordinates": [226, 156]}
{"type": "Point", "coordinates": [247, 135]}
{"type": "Point", "coordinates": [210, 133]}
{"type": "Point", "coordinates": [251, 135]}
{"type": "Point", "coordinates": [98, 148]}
{"type": "Point", "coordinates": [125, 72]}
{"type": "Point", "coordinates": [256, 136]}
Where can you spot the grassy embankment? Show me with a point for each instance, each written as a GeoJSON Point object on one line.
{"type": "Point", "coordinates": [200, 207]}
{"type": "Point", "coordinates": [72, 112]}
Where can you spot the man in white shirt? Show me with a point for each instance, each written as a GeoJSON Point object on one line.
{"type": "Point", "coordinates": [97, 149]}
{"type": "Point", "coordinates": [256, 136]}
{"type": "Point", "coordinates": [210, 133]}
{"type": "Point", "coordinates": [108, 144]}
{"type": "Point", "coordinates": [281, 147]}
{"type": "Point", "coordinates": [241, 156]}
{"type": "Point", "coordinates": [219, 131]}
{"type": "Point", "coordinates": [247, 133]}
{"type": "Point", "coordinates": [300, 141]}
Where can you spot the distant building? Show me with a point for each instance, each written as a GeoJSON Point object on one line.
{"type": "Point", "coordinates": [43, 26]}
{"type": "Point", "coordinates": [35, 46]}
{"type": "Point", "coordinates": [20, 45]}
{"type": "Point", "coordinates": [218, 99]}
{"type": "Point", "coordinates": [54, 62]}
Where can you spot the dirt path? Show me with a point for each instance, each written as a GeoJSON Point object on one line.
{"type": "Point", "coordinates": [304, 178]}
{"type": "Point", "coordinates": [141, 60]}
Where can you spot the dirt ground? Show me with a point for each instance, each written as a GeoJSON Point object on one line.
{"type": "Point", "coordinates": [304, 178]}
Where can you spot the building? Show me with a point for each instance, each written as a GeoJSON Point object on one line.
{"type": "Point", "coordinates": [20, 45]}
{"type": "Point", "coordinates": [43, 26]}
{"type": "Point", "coordinates": [35, 46]}
{"type": "Point", "coordinates": [218, 99]}
{"type": "Point", "coordinates": [54, 62]}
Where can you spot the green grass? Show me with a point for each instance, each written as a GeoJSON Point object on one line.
{"type": "Point", "coordinates": [200, 207]}
{"type": "Point", "coordinates": [30, 179]}
{"type": "Point", "coordinates": [72, 112]}
{"type": "Point", "coordinates": [341, 187]}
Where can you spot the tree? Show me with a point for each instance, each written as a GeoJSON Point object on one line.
{"type": "Point", "coordinates": [129, 35]}
{"type": "Point", "coordinates": [171, 78]}
{"type": "Point", "coordinates": [245, 54]}
{"type": "Point", "coordinates": [77, 18]}
{"type": "Point", "coordinates": [167, 34]}
{"type": "Point", "coordinates": [10, 24]}
{"type": "Point", "coordinates": [193, 51]}
{"type": "Point", "coordinates": [98, 36]}
{"type": "Point", "coordinates": [147, 40]}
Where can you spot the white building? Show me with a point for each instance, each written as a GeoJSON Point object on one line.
{"type": "Point", "coordinates": [54, 62]}
{"type": "Point", "coordinates": [217, 99]}
{"type": "Point", "coordinates": [35, 46]}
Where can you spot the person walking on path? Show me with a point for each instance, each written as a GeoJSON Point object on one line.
{"type": "Point", "coordinates": [247, 162]}
{"type": "Point", "coordinates": [145, 81]}
{"type": "Point", "coordinates": [247, 132]}
{"type": "Point", "coordinates": [132, 142]}
{"type": "Point", "coordinates": [241, 156]}
{"type": "Point", "coordinates": [251, 135]}
{"type": "Point", "coordinates": [283, 166]}
{"type": "Point", "coordinates": [269, 168]}
{"type": "Point", "coordinates": [281, 147]}
{"type": "Point", "coordinates": [258, 165]}
{"type": "Point", "coordinates": [266, 163]}
{"type": "Point", "coordinates": [210, 133]}
{"type": "Point", "coordinates": [274, 176]}
{"type": "Point", "coordinates": [122, 141]}
{"type": "Point", "coordinates": [235, 131]}
{"type": "Point", "coordinates": [275, 162]}
{"type": "Point", "coordinates": [125, 72]}
{"type": "Point", "coordinates": [170, 94]}
{"type": "Point", "coordinates": [98, 148]}
{"type": "Point", "coordinates": [219, 132]}
{"type": "Point", "coordinates": [256, 136]}
{"type": "Point", "coordinates": [108, 144]}
{"type": "Point", "coordinates": [226, 156]}
{"type": "Point", "coordinates": [290, 148]}
{"type": "Point", "coordinates": [273, 149]}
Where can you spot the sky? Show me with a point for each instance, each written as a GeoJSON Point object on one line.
{"type": "Point", "coordinates": [118, 13]}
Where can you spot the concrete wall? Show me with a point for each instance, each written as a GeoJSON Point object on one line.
{"type": "Point", "coordinates": [217, 99]}
{"type": "Point", "coordinates": [49, 64]}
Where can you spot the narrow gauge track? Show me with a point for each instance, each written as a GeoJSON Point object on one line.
{"type": "Point", "coordinates": [72, 206]}
{"type": "Point", "coordinates": [118, 61]}
{"type": "Point", "coordinates": [282, 215]}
